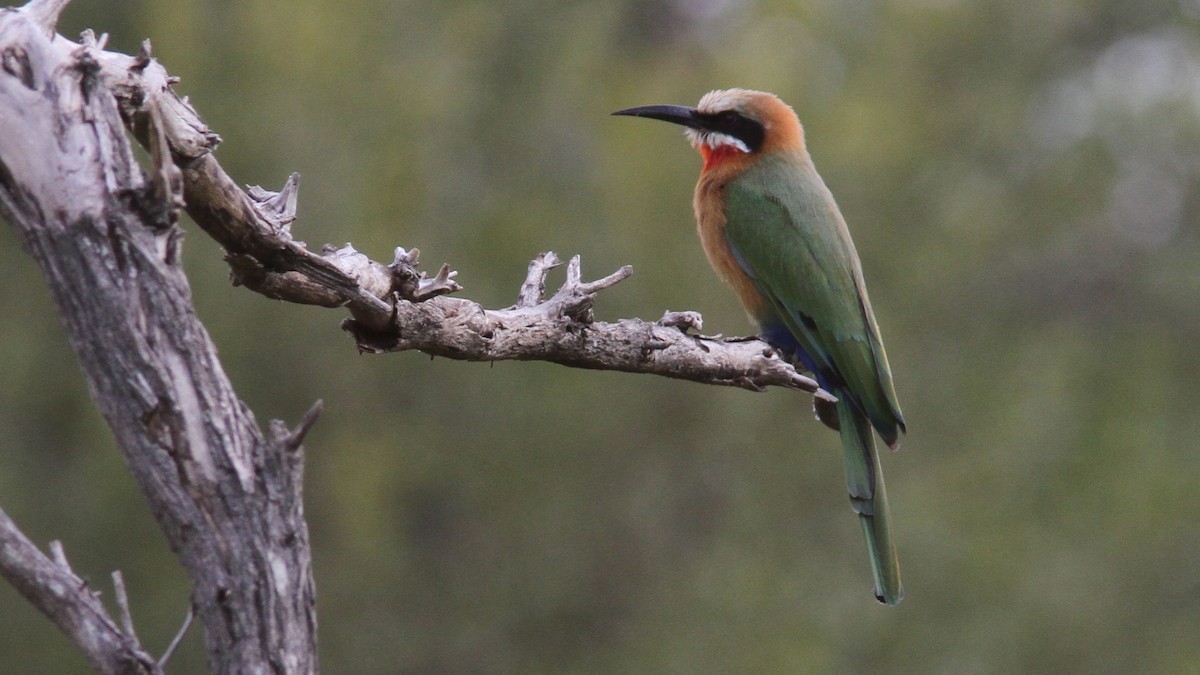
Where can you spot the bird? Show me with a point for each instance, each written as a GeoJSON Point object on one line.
{"type": "Point", "coordinates": [772, 231]}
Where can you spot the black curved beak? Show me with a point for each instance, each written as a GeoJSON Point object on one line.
{"type": "Point", "coordinates": [675, 114]}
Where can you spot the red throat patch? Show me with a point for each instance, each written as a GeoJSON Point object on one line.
{"type": "Point", "coordinates": [717, 155]}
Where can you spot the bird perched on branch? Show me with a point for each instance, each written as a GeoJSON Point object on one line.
{"type": "Point", "coordinates": [772, 231]}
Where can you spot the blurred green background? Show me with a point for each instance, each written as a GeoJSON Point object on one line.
{"type": "Point", "coordinates": [1021, 180]}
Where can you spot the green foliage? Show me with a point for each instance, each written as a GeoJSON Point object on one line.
{"type": "Point", "coordinates": [1020, 179]}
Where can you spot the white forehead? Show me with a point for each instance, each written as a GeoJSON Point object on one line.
{"type": "Point", "coordinates": [721, 100]}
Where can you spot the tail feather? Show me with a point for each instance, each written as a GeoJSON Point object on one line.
{"type": "Point", "coordinates": [868, 498]}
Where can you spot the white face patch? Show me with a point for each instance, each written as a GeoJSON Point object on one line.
{"type": "Point", "coordinates": [714, 139]}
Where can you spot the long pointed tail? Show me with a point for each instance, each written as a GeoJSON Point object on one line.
{"type": "Point", "coordinates": [868, 498]}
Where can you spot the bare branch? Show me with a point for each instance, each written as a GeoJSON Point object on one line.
{"type": "Point", "coordinates": [611, 280]}
{"type": "Point", "coordinates": [561, 330]}
{"type": "Point", "coordinates": [251, 227]}
{"type": "Point", "coordinates": [51, 587]}
{"type": "Point", "coordinates": [396, 306]}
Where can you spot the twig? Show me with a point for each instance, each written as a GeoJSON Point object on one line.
{"type": "Point", "coordinates": [170, 650]}
{"type": "Point", "coordinates": [59, 555]}
{"type": "Point", "coordinates": [535, 281]}
{"type": "Point", "coordinates": [123, 604]}
{"type": "Point", "coordinates": [296, 437]}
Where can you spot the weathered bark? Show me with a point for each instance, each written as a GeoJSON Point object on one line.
{"type": "Point", "coordinates": [226, 496]}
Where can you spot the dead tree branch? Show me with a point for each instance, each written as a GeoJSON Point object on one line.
{"type": "Point", "coordinates": [71, 604]}
{"type": "Point", "coordinates": [396, 307]}
{"type": "Point", "coordinates": [561, 329]}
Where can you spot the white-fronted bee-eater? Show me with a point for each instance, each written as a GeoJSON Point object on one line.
{"type": "Point", "coordinates": [772, 232]}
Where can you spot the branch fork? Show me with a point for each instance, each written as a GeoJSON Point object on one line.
{"type": "Point", "coordinates": [397, 306]}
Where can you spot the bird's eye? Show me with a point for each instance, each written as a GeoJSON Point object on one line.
{"type": "Point", "coordinates": [729, 117]}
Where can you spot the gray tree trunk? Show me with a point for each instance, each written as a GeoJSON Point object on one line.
{"type": "Point", "coordinates": [226, 496]}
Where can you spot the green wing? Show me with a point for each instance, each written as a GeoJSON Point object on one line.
{"type": "Point", "coordinates": [788, 234]}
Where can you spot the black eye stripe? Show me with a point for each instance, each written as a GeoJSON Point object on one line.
{"type": "Point", "coordinates": [732, 123]}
